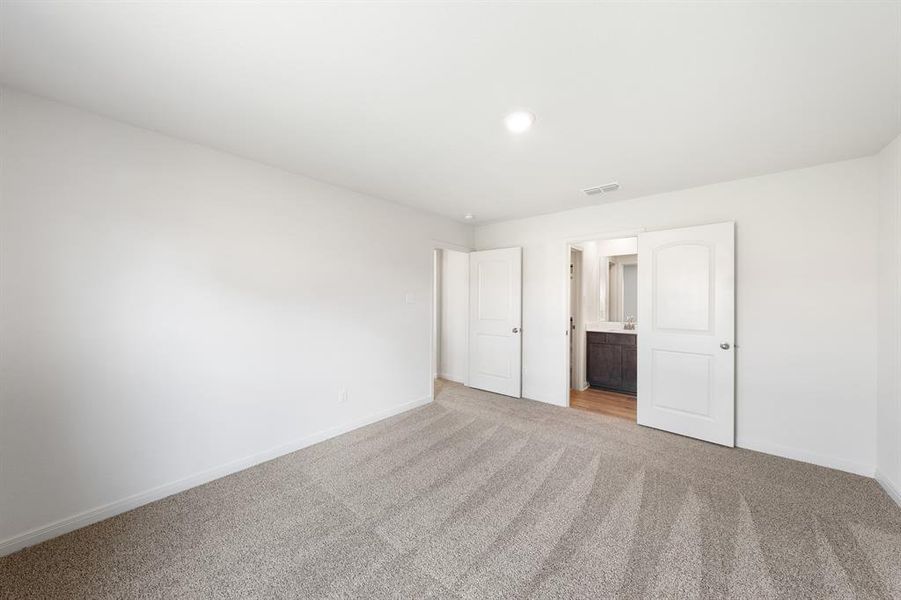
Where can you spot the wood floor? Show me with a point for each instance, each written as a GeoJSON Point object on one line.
{"type": "Point", "coordinates": [613, 404]}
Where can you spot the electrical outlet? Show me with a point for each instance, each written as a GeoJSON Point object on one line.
{"type": "Point", "coordinates": [342, 396]}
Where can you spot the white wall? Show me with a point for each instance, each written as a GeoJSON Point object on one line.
{"type": "Point", "coordinates": [806, 244]}
{"type": "Point", "coordinates": [171, 313]}
{"type": "Point", "coordinates": [889, 388]}
{"type": "Point", "coordinates": [454, 315]}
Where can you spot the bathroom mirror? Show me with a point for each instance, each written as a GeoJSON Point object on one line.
{"type": "Point", "coordinates": [619, 287]}
{"type": "Point", "coordinates": [608, 280]}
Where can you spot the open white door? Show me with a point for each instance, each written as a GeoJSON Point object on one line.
{"type": "Point", "coordinates": [495, 320]}
{"type": "Point", "coordinates": [686, 330]}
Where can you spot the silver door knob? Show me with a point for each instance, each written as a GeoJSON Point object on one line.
{"type": "Point", "coordinates": [725, 345]}
{"type": "Point", "coordinates": [516, 330]}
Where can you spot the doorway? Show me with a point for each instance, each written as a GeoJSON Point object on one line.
{"type": "Point", "coordinates": [477, 319]}
{"type": "Point", "coordinates": [603, 306]}
{"type": "Point", "coordinates": [658, 310]}
{"type": "Point", "coordinates": [450, 317]}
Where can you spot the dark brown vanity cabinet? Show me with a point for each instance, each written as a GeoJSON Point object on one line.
{"type": "Point", "coordinates": [613, 361]}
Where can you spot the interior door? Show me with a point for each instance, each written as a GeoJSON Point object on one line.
{"type": "Point", "coordinates": [686, 331]}
{"type": "Point", "coordinates": [495, 320]}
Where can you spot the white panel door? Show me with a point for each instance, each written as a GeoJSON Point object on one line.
{"type": "Point", "coordinates": [495, 320]}
{"type": "Point", "coordinates": [686, 331]}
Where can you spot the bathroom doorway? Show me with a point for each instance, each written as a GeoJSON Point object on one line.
{"type": "Point", "coordinates": [658, 310]}
{"type": "Point", "coordinates": [603, 340]}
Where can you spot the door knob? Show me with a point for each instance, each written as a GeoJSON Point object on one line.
{"type": "Point", "coordinates": [516, 330]}
{"type": "Point", "coordinates": [725, 345]}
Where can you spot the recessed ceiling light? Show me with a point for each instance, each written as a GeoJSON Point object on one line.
{"type": "Point", "coordinates": [519, 121]}
{"type": "Point", "coordinates": [469, 216]}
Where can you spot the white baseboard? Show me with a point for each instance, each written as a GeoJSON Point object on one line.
{"type": "Point", "coordinates": [890, 488]}
{"type": "Point", "coordinates": [806, 456]}
{"type": "Point", "coordinates": [452, 377]}
{"type": "Point", "coordinates": [57, 528]}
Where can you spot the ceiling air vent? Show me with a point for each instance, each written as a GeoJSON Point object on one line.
{"type": "Point", "coordinates": [602, 189]}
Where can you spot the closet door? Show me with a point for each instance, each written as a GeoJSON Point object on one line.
{"type": "Point", "coordinates": [495, 320]}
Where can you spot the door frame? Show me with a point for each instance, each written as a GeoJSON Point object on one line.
{"type": "Point", "coordinates": [576, 349]}
{"type": "Point", "coordinates": [568, 244]}
{"type": "Point", "coordinates": [434, 333]}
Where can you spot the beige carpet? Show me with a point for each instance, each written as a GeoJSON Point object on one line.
{"type": "Point", "coordinates": [481, 496]}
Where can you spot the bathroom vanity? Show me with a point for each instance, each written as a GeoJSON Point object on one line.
{"type": "Point", "coordinates": [612, 360]}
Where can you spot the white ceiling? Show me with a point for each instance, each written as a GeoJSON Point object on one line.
{"type": "Point", "coordinates": [405, 101]}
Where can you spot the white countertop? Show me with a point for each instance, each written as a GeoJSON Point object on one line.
{"type": "Point", "coordinates": [609, 327]}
